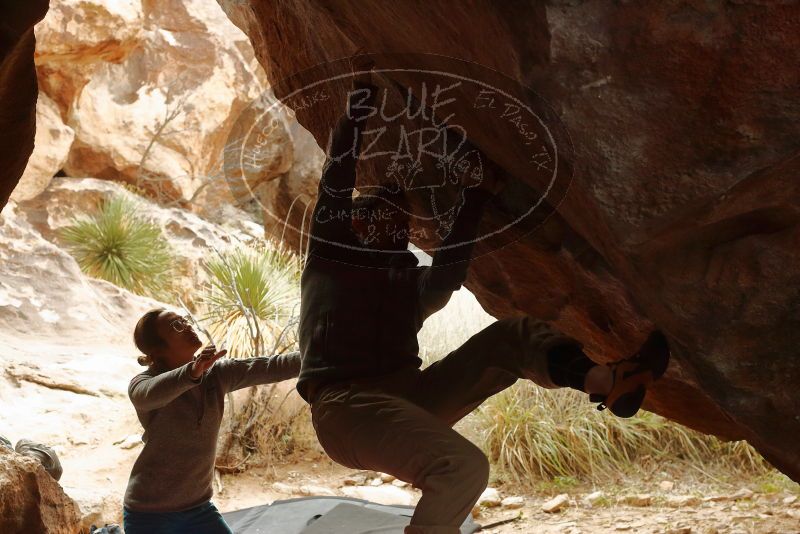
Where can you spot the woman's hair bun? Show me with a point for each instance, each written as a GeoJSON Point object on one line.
{"type": "Point", "coordinates": [144, 360]}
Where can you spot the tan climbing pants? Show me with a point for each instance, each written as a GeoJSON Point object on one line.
{"type": "Point", "coordinates": [401, 423]}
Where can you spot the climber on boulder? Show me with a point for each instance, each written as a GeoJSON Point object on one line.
{"type": "Point", "coordinates": [363, 301]}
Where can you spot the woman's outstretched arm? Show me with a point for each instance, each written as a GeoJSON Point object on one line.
{"type": "Point", "coordinates": [150, 392]}
{"type": "Point", "coordinates": [237, 374]}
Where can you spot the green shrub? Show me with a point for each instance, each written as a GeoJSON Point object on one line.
{"type": "Point", "coordinates": [117, 244]}
{"type": "Point", "coordinates": [252, 298]}
{"type": "Point", "coordinates": [250, 306]}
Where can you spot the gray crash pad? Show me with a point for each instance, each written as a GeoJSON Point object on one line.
{"type": "Point", "coordinates": [326, 515]}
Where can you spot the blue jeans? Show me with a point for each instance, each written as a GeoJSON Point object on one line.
{"type": "Point", "coordinates": [203, 519]}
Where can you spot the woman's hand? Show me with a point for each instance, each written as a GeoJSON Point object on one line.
{"type": "Point", "coordinates": [205, 360]}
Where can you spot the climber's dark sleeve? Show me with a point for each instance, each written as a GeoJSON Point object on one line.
{"type": "Point", "coordinates": [331, 219]}
{"type": "Point", "coordinates": [451, 263]}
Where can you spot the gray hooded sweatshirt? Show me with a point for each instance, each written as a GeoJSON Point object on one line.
{"type": "Point", "coordinates": [181, 419]}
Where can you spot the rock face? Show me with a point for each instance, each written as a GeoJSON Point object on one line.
{"type": "Point", "coordinates": [52, 144]}
{"type": "Point", "coordinates": [273, 162]}
{"type": "Point", "coordinates": [31, 500]}
{"type": "Point", "coordinates": [30, 302]}
{"type": "Point", "coordinates": [151, 88]}
{"type": "Point", "coordinates": [190, 237]}
{"type": "Point", "coordinates": [683, 210]}
{"type": "Point", "coordinates": [18, 89]}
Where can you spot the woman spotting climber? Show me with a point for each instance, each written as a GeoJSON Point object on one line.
{"type": "Point", "coordinates": [179, 400]}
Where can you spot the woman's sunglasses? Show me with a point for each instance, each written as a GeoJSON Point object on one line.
{"type": "Point", "coordinates": [180, 324]}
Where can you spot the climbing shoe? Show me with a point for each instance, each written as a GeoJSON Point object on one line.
{"type": "Point", "coordinates": [632, 376]}
{"type": "Point", "coordinates": [43, 453]}
{"type": "Point", "coordinates": [4, 442]}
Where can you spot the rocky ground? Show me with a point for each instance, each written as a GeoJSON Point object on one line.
{"type": "Point", "coordinates": [671, 505]}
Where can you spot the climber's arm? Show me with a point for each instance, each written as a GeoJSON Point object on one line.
{"type": "Point", "coordinates": [331, 219]}
{"type": "Point", "coordinates": [451, 261]}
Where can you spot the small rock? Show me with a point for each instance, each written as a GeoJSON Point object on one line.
{"type": "Point", "coordinates": [384, 494]}
{"type": "Point", "coordinates": [791, 499]}
{"type": "Point", "coordinates": [130, 442]}
{"type": "Point", "coordinates": [355, 479]}
{"type": "Point", "coordinates": [489, 498]}
{"type": "Point", "coordinates": [387, 478]}
{"type": "Point", "coordinates": [280, 487]}
{"type": "Point", "coordinates": [594, 498]}
{"type": "Point", "coordinates": [743, 493]}
{"type": "Point", "coordinates": [679, 530]}
{"type": "Point", "coordinates": [399, 483]}
{"type": "Point", "coordinates": [316, 490]}
{"type": "Point", "coordinates": [375, 482]}
{"type": "Point", "coordinates": [637, 500]}
{"type": "Point", "coordinates": [569, 527]}
{"type": "Point", "coordinates": [512, 502]}
{"type": "Point", "coordinates": [678, 501]}
{"type": "Point", "coordinates": [666, 485]}
{"type": "Point", "coordinates": [78, 441]}
{"type": "Point", "coordinates": [556, 504]}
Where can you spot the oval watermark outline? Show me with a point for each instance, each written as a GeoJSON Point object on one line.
{"type": "Point", "coordinates": [279, 104]}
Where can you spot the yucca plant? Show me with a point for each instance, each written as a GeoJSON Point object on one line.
{"type": "Point", "coordinates": [250, 305]}
{"type": "Point", "coordinates": [252, 296]}
{"type": "Point", "coordinates": [121, 246]}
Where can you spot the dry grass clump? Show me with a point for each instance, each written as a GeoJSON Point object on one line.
{"type": "Point", "coordinates": [531, 435]}
{"type": "Point", "coordinates": [272, 424]}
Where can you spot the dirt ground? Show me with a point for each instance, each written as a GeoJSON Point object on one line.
{"type": "Point", "coordinates": [688, 507]}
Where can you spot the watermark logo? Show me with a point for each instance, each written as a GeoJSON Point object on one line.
{"type": "Point", "coordinates": [429, 136]}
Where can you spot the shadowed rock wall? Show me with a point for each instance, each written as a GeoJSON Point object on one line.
{"type": "Point", "coordinates": [18, 89]}
{"type": "Point", "coordinates": [683, 210]}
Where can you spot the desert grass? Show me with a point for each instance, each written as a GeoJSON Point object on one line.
{"type": "Point", "coordinates": [532, 435]}
{"type": "Point", "coordinates": [250, 307]}
{"type": "Point", "coordinates": [272, 424]}
{"type": "Point", "coordinates": [538, 438]}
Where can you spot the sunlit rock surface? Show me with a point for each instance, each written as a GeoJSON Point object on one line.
{"type": "Point", "coordinates": [31, 500]}
{"type": "Point", "coordinates": [191, 239]}
{"type": "Point", "coordinates": [52, 144]}
{"type": "Point", "coordinates": [18, 89]}
{"type": "Point", "coordinates": [151, 89]}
